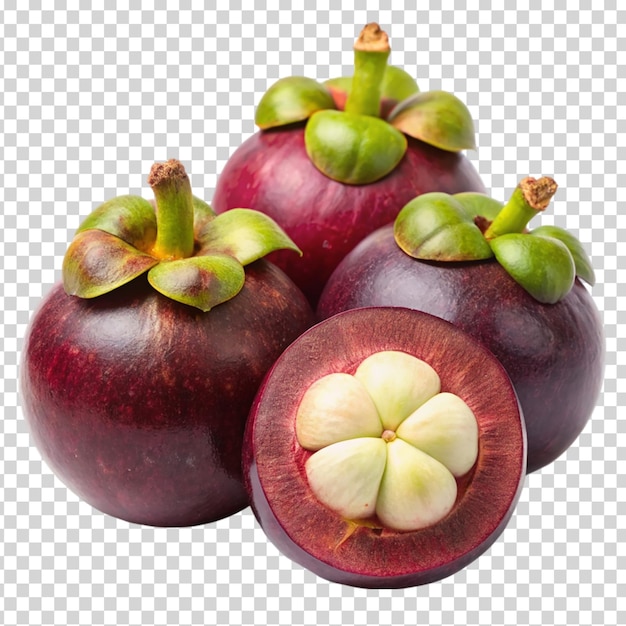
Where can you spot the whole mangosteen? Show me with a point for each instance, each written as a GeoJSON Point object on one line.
{"type": "Point", "coordinates": [471, 260]}
{"type": "Point", "coordinates": [333, 162]}
{"type": "Point", "coordinates": [139, 370]}
{"type": "Point", "coordinates": [385, 449]}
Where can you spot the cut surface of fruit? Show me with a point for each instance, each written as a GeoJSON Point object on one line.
{"type": "Point", "coordinates": [371, 497]}
{"type": "Point", "coordinates": [372, 465]}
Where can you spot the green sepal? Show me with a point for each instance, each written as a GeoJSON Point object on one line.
{"type": "Point", "coordinates": [292, 99]}
{"type": "Point", "coordinates": [542, 265]}
{"type": "Point", "coordinates": [436, 227]}
{"type": "Point", "coordinates": [203, 214]}
{"type": "Point", "coordinates": [477, 204]}
{"type": "Point", "coordinates": [131, 218]}
{"type": "Point", "coordinates": [398, 85]}
{"type": "Point", "coordinates": [582, 262]}
{"type": "Point", "coordinates": [199, 281]}
{"type": "Point", "coordinates": [438, 118]}
{"type": "Point", "coordinates": [244, 234]}
{"type": "Point", "coordinates": [97, 262]}
{"type": "Point", "coordinates": [353, 149]}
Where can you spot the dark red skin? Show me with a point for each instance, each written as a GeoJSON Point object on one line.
{"type": "Point", "coordinates": [317, 538]}
{"type": "Point", "coordinates": [554, 353]}
{"type": "Point", "coordinates": [138, 403]}
{"type": "Point", "coordinates": [272, 173]}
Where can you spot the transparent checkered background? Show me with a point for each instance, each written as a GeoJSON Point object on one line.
{"type": "Point", "coordinates": [90, 98]}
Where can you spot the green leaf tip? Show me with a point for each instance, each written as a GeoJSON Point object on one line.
{"type": "Point", "coordinates": [543, 266]}
{"type": "Point", "coordinates": [353, 149]}
{"type": "Point", "coordinates": [97, 262]}
{"type": "Point", "coordinates": [202, 281]}
{"type": "Point", "coordinates": [436, 227]}
{"type": "Point", "coordinates": [246, 235]}
{"type": "Point", "coordinates": [582, 262]}
{"type": "Point", "coordinates": [438, 118]}
{"type": "Point", "coordinates": [292, 99]}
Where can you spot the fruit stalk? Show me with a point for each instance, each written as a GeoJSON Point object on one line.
{"type": "Point", "coordinates": [371, 51]}
{"type": "Point", "coordinates": [530, 197]}
{"type": "Point", "coordinates": [174, 210]}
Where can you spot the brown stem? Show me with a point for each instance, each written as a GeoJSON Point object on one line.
{"type": "Point", "coordinates": [372, 39]}
{"type": "Point", "coordinates": [538, 193]}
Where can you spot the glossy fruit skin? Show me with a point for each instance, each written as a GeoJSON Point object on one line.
{"type": "Point", "coordinates": [138, 403]}
{"type": "Point", "coordinates": [554, 353]}
{"type": "Point", "coordinates": [317, 538]}
{"type": "Point", "coordinates": [272, 173]}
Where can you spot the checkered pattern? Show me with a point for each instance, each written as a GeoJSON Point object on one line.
{"type": "Point", "coordinates": [90, 98]}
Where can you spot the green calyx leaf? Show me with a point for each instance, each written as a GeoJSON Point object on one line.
{"type": "Point", "coordinates": [131, 218]}
{"type": "Point", "coordinates": [582, 262]}
{"type": "Point", "coordinates": [121, 240]}
{"type": "Point", "coordinates": [398, 85]}
{"type": "Point", "coordinates": [97, 262]}
{"type": "Point", "coordinates": [437, 227]}
{"type": "Point", "coordinates": [353, 149]}
{"type": "Point", "coordinates": [543, 266]}
{"type": "Point", "coordinates": [202, 215]}
{"type": "Point", "coordinates": [435, 117]}
{"type": "Point", "coordinates": [478, 205]}
{"type": "Point", "coordinates": [244, 234]}
{"type": "Point", "coordinates": [199, 281]}
{"type": "Point", "coordinates": [292, 99]}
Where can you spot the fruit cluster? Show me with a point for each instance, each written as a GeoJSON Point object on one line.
{"type": "Point", "coordinates": [376, 388]}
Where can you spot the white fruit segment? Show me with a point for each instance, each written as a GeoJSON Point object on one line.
{"type": "Point", "coordinates": [345, 476]}
{"type": "Point", "coordinates": [398, 383]}
{"type": "Point", "coordinates": [416, 490]}
{"type": "Point", "coordinates": [386, 442]}
{"type": "Point", "coordinates": [445, 428]}
{"type": "Point", "coordinates": [334, 408]}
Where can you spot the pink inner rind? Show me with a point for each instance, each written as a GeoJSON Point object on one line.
{"type": "Point", "coordinates": [317, 538]}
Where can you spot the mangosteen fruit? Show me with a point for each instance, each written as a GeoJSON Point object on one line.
{"type": "Point", "coordinates": [139, 369]}
{"type": "Point", "coordinates": [472, 261]}
{"type": "Point", "coordinates": [385, 449]}
{"type": "Point", "coordinates": [334, 161]}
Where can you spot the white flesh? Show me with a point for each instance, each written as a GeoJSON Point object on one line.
{"type": "Point", "coordinates": [386, 442]}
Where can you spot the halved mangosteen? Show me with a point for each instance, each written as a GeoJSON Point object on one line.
{"type": "Point", "coordinates": [386, 448]}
